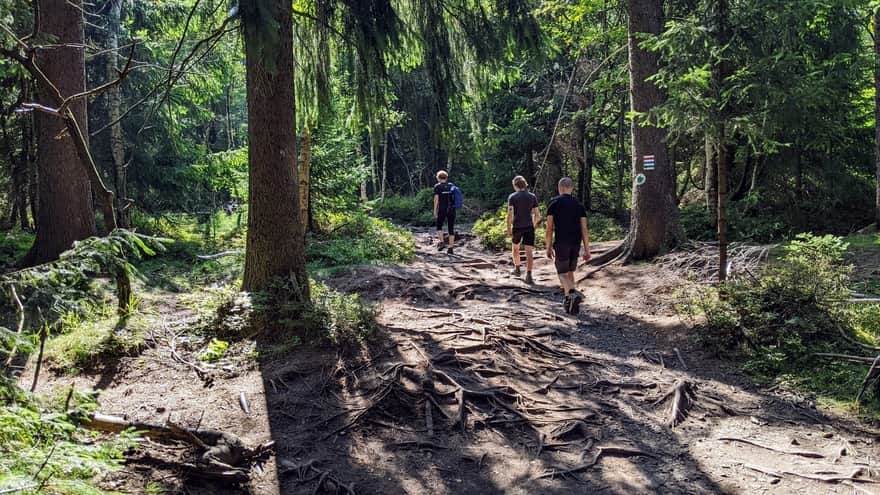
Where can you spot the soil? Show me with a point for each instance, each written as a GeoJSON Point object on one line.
{"type": "Point", "coordinates": [477, 383]}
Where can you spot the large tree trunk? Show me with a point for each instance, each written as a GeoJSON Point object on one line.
{"type": "Point", "coordinates": [654, 219]}
{"type": "Point", "coordinates": [877, 113]}
{"type": "Point", "coordinates": [275, 241]}
{"type": "Point", "coordinates": [65, 212]}
{"type": "Point", "coordinates": [726, 149]}
{"type": "Point", "coordinates": [621, 163]}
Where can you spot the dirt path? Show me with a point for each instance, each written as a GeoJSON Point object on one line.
{"type": "Point", "coordinates": [480, 384]}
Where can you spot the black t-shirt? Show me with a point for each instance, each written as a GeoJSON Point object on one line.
{"type": "Point", "coordinates": [567, 213]}
{"type": "Point", "coordinates": [444, 191]}
{"type": "Point", "coordinates": [523, 202]}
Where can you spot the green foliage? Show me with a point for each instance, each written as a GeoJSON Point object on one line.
{"type": "Point", "coordinates": [214, 351]}
{"type": "Point", "coordinates": [84, 337]}
{"type": "Point", "coordinates": [796, 303]}
{"type": "Point", "coordinates": [747, 221]}
{"type": "Point", "coordinates": [34, 431]}
{"type": "Point", "coordinates": [355, 238]}
{"type": "Point", "coordinates": [284, 322]}
{"type": "Point", "coordinates": [64, 285]}
{"type": "Point", "coordinates": [412, 210]}
{"type": "Point", "coordinates": [14, 244]}
{"type": "Point", "coordinates": [794, 308]}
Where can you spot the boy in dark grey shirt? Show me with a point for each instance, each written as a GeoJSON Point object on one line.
{"type": "Point", "coordinates": [523, 216]}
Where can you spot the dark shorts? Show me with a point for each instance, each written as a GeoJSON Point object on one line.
{"type": "Point", "coordinates": [567, 256]}
{"type": "Point", "coordinates": [447, 216]}
{"type": "Point", "coordinates": [524, 236]}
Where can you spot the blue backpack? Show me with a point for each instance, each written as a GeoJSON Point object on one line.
{"type": "Point", "coordinates": [457, 197]}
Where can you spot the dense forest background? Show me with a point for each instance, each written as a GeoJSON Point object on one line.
{"type": "Point", "coordinates": [172, 138]}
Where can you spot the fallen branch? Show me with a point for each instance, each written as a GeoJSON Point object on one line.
{"type": "Point", "coordinates": [208, 257]}
{"type": "Point", "coordinates": [871, 376]}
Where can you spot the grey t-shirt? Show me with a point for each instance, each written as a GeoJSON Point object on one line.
{"type": "Point", "coordinates": [523, 202]}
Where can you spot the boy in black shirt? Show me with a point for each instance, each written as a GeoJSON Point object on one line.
{"type": "Point", "coordinates": [567, 219]}
{"type": "Point", "coordinates": [522, 217]}
{"type": "Point", "coordinates": [444, 210]}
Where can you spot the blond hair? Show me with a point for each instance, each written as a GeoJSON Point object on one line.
{"type": "Point", "coordinates": [442, 175]}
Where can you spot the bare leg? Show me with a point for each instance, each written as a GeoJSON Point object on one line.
{"type": "Point", "coordinates": [451, 241]}
{"type": "Point", "coordinates": [530, 258]}
{"type": "Point", "coordinates": [516, 254]}
{"type": "Point", "coordinates": [440, 237]}
{"type": "Point", "coordinates": [567, 281]}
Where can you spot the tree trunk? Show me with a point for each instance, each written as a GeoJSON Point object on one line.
{"type": "Point", "coordinates": [275, 241]}
{"type": "Point", "coordinates": [384, 165]}
{"type": "Point", "coordinates": [114, 112]}
{"type": "Point", "coordinates": [654, 219]}
{"type": "Point", "coordinates": [65, 212]}
{"type": "Point", "coordinates": [305, 176]}
{"type": "Point", "coordinates": [621, 163]}
{"type": "Point", "coordinates": [877, 113]}
{"type": "Point", "coordinates": [230, 137]}
{"type": "Point", "coordinates": [742, 188]}
{"type": "Point", "coordinates": [710, 179]}
{"type": "Point", "coordinates": [725, 161]}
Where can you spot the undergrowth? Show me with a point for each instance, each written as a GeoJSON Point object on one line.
{"type": "Point", "coordinates": [354, 238]}
{"type": "Point", "coordinates": [44, 449]}
{"type": "Point", "coordinates": [412, 210]}
{"type": "Point", "coordinates": [776, 321]}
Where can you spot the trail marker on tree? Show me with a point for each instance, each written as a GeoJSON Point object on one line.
{"type": "Point", "coordinates": [640, 179]}
{"type": "Point", "coordinates": [648, 162]}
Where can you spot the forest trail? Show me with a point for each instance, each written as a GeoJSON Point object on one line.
{"type": "Point", "coordinates": [480, 384]}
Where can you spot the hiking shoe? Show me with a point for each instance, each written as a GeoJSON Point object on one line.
{"type": "Point", "coordinates": [529, 279]}
{"type": "Point", "coordinates": [441, 246]}
{"type": "Point", "coordinates": [449, 251]}
{"type": "Point", "coordinates": [566, 303]}
{"type": "Point", "coordinates": [516, 271]}
{"type": "Point", "coordinates": [574, 303]}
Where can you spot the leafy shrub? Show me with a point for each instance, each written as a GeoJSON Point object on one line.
{"type": "Point", "coordinates": [355, 238]}
{"type": "Point", "coordinates": [794, 305]}
{"type": "Point", "coordinates": [413, 210]}
{"type": "Point", "coordinates": [491, 229]}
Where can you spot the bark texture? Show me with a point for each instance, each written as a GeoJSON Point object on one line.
{"type": "Point", "coordinates": [877, 114]}
{"type": "Point", "coordinates": [275, 239]}
{"type": "Point", "coordinates": [654, 218]}
{"type": "Point", "coordinates": [65, 212]}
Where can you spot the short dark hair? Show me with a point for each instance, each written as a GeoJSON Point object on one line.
{"type": "Point", "coordinates": [566, 183]}
{"type": "Point", "coordinates": [519, 182]}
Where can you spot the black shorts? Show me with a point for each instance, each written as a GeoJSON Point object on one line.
{"type": "Point", "coordinates": [524, 236]}
{"type": "Point", "coordinates": [447, 216]}
{"type": "Point", "coordinates": [567, 257]}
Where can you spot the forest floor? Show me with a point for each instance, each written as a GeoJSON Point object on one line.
{"type": "Point", "coordinates": [478, 383]}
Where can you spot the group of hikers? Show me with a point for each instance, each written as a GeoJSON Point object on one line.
{"type": "Point", "coordinates": [566, 230]}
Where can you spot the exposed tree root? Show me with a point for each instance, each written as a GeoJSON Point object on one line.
{"type": "Point", "coordinates": [799, 453]}
{"type": "Point", "coordinates": [608, 450]}
{"type": "Point", "coordinates": [825, 479]}
{"type": "Point", "coordinates": [683, 397]}
{"type": "Point", "coordinates": [307, 472]}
